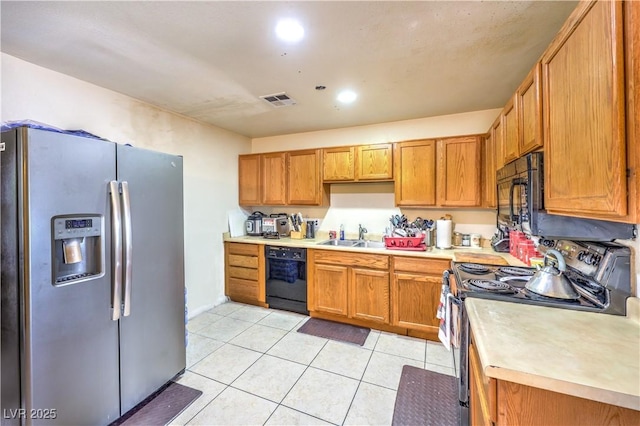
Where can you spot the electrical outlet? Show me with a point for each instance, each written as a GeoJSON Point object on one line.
{"type": "Point", "coordinates": [316, 222]}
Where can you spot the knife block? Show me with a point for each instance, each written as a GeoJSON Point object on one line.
{"type": "Point", "coordinates": [299, 235]}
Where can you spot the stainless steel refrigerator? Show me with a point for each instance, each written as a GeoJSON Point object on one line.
{"type": "Point", "coordinates": [92, 277]}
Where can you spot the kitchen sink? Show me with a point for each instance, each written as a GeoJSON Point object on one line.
{"type": "Point", "coordinates": [353, 243]}
{"type": "Point", "coordinates": [371, 244]}
{"type": "Point", "coordinates": [341, 243]}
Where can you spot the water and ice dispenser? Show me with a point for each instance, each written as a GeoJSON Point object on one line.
{"type": "Point", "coordinates": [78, 253]}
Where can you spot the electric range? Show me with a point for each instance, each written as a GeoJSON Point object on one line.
{"type": "Point", "coordinates": [600, 273]}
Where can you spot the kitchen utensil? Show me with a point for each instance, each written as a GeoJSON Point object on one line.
{"type": "Point", "coordinates": [552, 282]}
{"type": "Point", "coordinates": [311, 229]}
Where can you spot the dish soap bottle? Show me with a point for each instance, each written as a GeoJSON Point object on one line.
{"type": "Point", "coordinates": [342, 232]}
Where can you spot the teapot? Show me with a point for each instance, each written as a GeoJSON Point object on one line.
{"type": "Point", "coordinates": [552, 282]}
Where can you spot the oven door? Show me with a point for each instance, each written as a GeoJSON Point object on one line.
{"type": "Point", "coordinates": [461, 352]}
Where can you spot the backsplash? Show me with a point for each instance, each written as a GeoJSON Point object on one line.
{"type": "Point", "coordinates": [372, 204]}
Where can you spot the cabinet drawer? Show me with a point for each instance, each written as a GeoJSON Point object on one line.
{"type": "Point", "coordinates": [246, 249]}
{"type": "Point", "coordinates": [245, 273]}
{"type": "Point", "coordinates": [421, 265]}
{"type": "Point", "coordinates": [243, 261]}
{"type": "Point", "coordinates": [371, 261]}
{"type": "Point", "coordinates": [240, 289]}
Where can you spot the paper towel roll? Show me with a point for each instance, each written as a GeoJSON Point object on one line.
{"type": "Point", "coordinates": [443, 234]}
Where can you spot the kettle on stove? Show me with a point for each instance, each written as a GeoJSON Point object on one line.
{"type": "Point", "coordinates": [552, 282]}
{"type": "Point", "coordinates": [253, 224]}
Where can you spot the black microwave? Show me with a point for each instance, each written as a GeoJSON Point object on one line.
{"type": "Point", "coordinates": [520, 186]}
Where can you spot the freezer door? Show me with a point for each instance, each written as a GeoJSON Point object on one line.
{"type": "Point", "coordinates": [70, 350]}
{"type": "Point", "coordinates": [152, 332]}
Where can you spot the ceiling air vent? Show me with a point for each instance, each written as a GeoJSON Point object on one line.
{"type": "Point", "coordinates": [278, 100]}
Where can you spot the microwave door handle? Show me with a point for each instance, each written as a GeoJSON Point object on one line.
{"type": "Point", "coordinates": [513, 187]}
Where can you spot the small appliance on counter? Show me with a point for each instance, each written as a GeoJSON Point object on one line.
{"type": "Point", "coordinates": [500, 240]}
{"type": "Point", "coordinates": [276, 223]}
{"type": "Point", "coordinates": [253, 224]}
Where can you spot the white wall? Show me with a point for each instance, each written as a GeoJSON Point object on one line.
{"type": "Point", "coordinates": [210, 155]}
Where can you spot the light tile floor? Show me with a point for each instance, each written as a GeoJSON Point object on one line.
{"type": "Point", "coordinates": [254, 368]}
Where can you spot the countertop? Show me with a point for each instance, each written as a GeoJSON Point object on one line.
{"type": "Point", "coordinates": [429, 253]}
{"type": "Point", "coordinates": [589, 355]}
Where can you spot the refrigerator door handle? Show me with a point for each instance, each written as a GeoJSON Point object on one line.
{"type": "Point", "coordinates": [116, 250]}
{"type": "Point", "coordinates": [128, 246]}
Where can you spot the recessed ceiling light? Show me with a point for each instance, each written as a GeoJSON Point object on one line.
{"type": "Point", "coordinates": [347, 96]}
{"type": "Point", "coordinates": [289, 30]}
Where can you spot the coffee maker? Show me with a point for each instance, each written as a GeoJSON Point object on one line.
{"type": "Point", "coordinates": [500, 240]}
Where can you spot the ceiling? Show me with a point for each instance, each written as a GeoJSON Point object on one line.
{"type": "Point", "coordinates": [211, 60]}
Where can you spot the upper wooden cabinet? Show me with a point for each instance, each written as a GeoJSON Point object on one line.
{"type": "Point", "coordinates": [510, 143]}
{"type": "Point", "coordinates": [250, 188]}
{"type": "Point", "coordinates": [338, 164]}
{"type": "Point", "coordinates": [584, 115]}
{"type": "Point", "coordinates": [444, 173]}
{"type": "Point", "coordinates": [274, 180]}
{"type": "Point", "coordinates": [281, 178]}
{"type": "Point", "coordinates": [358, 163]}
{"type": "Point", "coordinates": [374, 162]}
{"type": "Point", "coordinates": [415, 166]}
{"type": "Point", "coordinates": [489, 194]}
{"type": "Point", "coordinates": [498, 138]}
{"type": "Point", "coordinates": [529, 107]}
{"type": "Point", "coordinates": [458, 178]}
{"type": "Point", "coordinates": [304, 178]}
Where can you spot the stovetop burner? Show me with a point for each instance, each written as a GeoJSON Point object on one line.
{"type": "Point", "coordinates": [490, 285]}
{"type": "Point", "coordinates": [517, 272]}
{"type": "Point", "coordinates": [535, 296]}
{"type": "Point", "coordinates": [474, 268]}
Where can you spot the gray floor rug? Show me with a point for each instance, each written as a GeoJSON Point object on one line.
{"type": "Point", "coordinates": [335, 331]}
{"type": "Point", "coordinates": [161, 407]}
{"type": "Point", "coordinates": [426, 398]}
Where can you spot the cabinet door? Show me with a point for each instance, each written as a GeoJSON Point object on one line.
{"type": "Point", "coordinates": [249, 180]}
{"type": "Point", "coordinates": [274, 179]}
{"type": "Point", "coordinates": [369, 295]}
{"type": "Point", "coordinates": [489, 171]}
{"type": "Point", "coordinates": [530, 112]}
{"type": "Point", "coordinates": [374, 162]}
{"type": "Point", "coordinates": [338, 164]}
{"type": "Point", "coordinates": [459, 172]}
{"type": "Point", "coordinates": [583, 120]}
{"type": "Point", "coordinates": [415, 299]}
{"type": "Point", "coordinates": [498, 140]}
{"type": "Point", "coordinates": [510, 129]}
{"type": "Point", "coordinates": [303, 178]}
{"type": "Point", "coordinates": [330, 289]}
{"type": "Point", "coordinates": [415, 173]}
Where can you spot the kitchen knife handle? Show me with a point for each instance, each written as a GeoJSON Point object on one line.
{"type": "Point", "coordinates": [128, 246]}
{"type": "Point", "coordinates": [116, 250]}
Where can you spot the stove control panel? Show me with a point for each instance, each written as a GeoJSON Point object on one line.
{"type": "Point", "coordinates": [584, 258]}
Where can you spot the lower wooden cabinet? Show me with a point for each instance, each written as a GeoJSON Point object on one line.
{"type": "Point", "coordinates": [351, 285]}
{"type": "Point", "coordinates": [330, 289]}
{"type": "Point", "coordinates": [415, 293]}
{"type": "Point", "coordinates": [500, 402]}
{"type": "Point", "coordinates": [245, 273]}
{"type": "Point", "coordinates": [369, 290]}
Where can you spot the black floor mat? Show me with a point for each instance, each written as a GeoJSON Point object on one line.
{"type": "Point", "coordinates": [335, 331]}
{"type": "Point", "coordinates": [161, 407]}
{"type": "Point", "coordinates": [426, 398]}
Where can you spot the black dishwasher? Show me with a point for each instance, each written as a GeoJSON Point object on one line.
{"type": "Point", "coordinates": [286, 278]}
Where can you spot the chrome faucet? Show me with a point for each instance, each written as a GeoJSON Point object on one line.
{"type": "Point", "coordinates": [361, 232]}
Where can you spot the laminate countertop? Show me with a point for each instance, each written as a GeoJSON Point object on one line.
{"type": "Point", "coordinates": [479, 255]}
{"type": "Point", "coordinates": [588, 355]}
